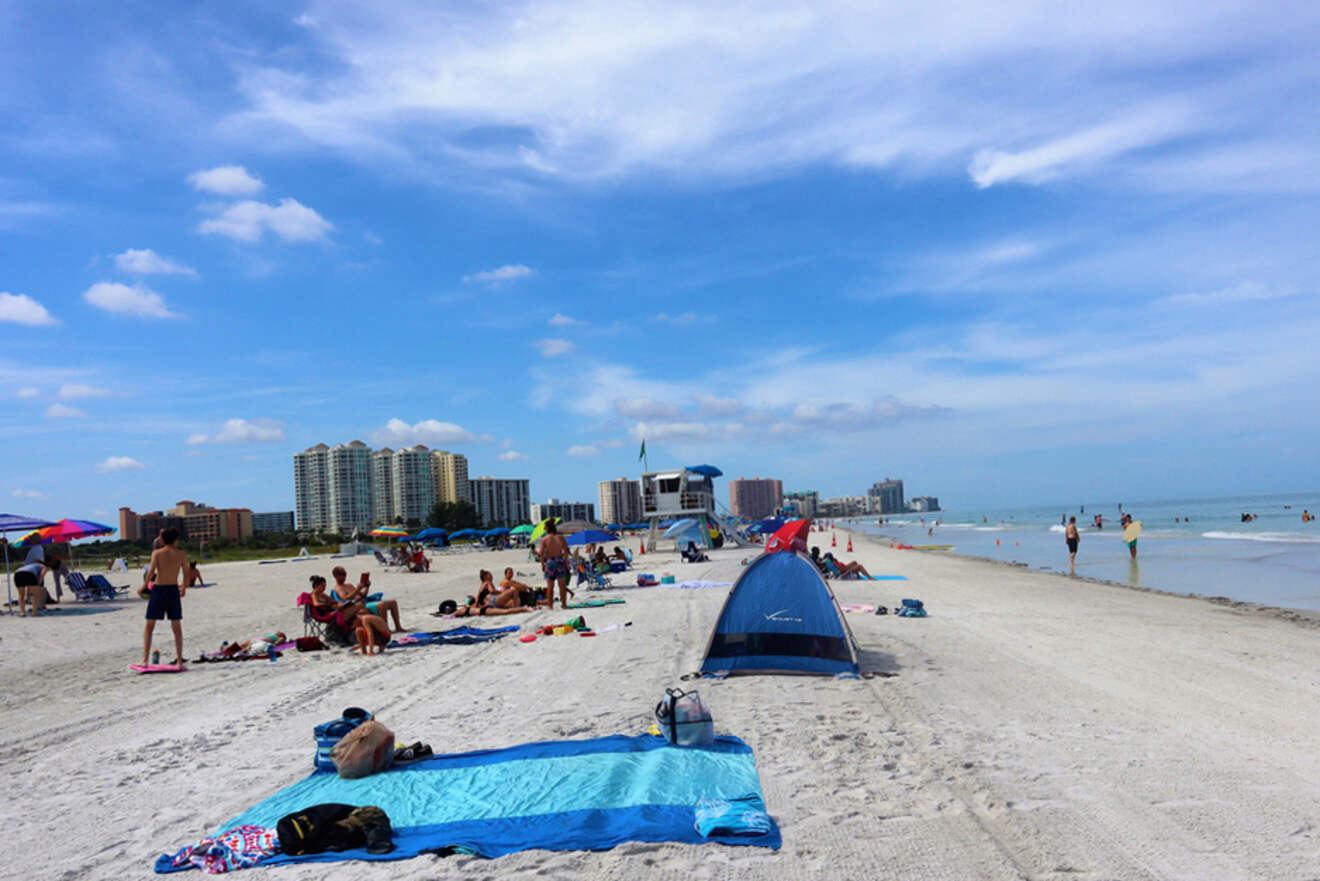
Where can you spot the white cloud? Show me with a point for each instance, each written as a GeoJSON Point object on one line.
{"type": "Point", "coordinates": [29, 494]}
{"type": "Point", "coordinates": [511, 456]}
{"type": "Point", "coordinates": [145, 261]}
{"type": "Point", "coordinates": [119, 463]}
{"type": "Point", "coordinates": [22, 309]}
{"type": "Point", "coordinates": [248, 221]}
{"type": "Point", "coordinates": [138, 300]}
{"type": "Point", "coordinates": [506, 444]}
{"type": "Point", "coordinates": [580, 450]}
{"type": "Point", "coordinates": [561, 320]}
{"type": "Point", "coordinates": [398, 433]}
{"type": "Point", "coordinates": [227, 180]}
{"type": "Point", "coordinates": [306, 21]}
{"type": "Point", "coordinates": [713, 406]}
{"type": "Point", "coordinates": [64, 411]}
{"type": "Point", "coordinates": [551, 348]}
{"type": "Point", "coordinates": [28, 392]}
{"type": "Point", "coordinates": [1083, 149]}
{"type": "Point", "coordinates": [74, 391]}
{"type": "Point", "coordinates": [238, 431]}
{"type": "Point", "coordinates": [500, 275]}
{"type": "Point", "coordinates": [644, 408]}
{"type": "Point", "coordinates": [682, 318]}
{"type": "Point", "coordinates": [1243, 292]}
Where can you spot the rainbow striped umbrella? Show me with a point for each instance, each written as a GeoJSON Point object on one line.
{"type": "Point", "coordinates": [389, 531]}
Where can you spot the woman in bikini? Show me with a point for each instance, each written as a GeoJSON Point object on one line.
{"type": "Point", "coordinates": [490, 600]}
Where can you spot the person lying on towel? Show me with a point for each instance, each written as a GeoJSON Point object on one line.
{"type": "Point", "coordinates": [491, 600]}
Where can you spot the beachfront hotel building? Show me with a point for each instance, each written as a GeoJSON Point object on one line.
{"type": "Point", "coordinates": [412, 483]}
{"type": "Point", "coordinates": [501, 501]}
{"type": "Point", "coordinates": [620, 501]}
{"type": "Point", "coordinates": [755, 498]}
{"type": "Point", "coordinates": [382, 486]}
{"type": "Point", "coordinates": [803, 503]}
{"type": "Point", "coordinates": [889, 494]}
{"type": "Point", "coordinates": [585, 511]}
{"type": "Point", "coordinates": [272, 521]}
{"type": "Point", "coordinates": [194, 521]}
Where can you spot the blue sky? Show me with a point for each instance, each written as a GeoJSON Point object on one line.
{"type": "Point", "coordinates": [1046, 253]}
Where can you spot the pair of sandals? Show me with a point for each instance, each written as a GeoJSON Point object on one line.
{"type": "Point", "coordinates": [418, 751]}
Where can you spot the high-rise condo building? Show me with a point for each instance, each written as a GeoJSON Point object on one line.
{"type": "Point", "coordinates": [566, 510]}
{"type": "Point", "coordinates": [890, 494]}
{"type": "Point", "coordinates": [804, 503]}
{"type": "Point", "coordinates": [348, 474]}
{"type": "Point", "coordinates": [311, 488]}
{"type": "Point", "coordinates": [451, 476]}
{"type": "Point", "coordinates": [620, 501]}
{"type": "Point", "coordinates": [194, 522]}
{"type": "Point", "coordinates": [272, 521]}
{"type": "Point", "coordinates": [500, 501]}
{"type": "Point", "coordinates": [382, 486]}
{"type": "Point", "coordinates": [755, 498]}
{"type": "Point", "coordinates": [413, 483]}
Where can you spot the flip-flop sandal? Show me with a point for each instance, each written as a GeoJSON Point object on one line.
{"type": "Point", "coordinates": [882, 610]}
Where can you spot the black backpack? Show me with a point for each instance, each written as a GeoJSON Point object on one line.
{"type": "Point", "coordinates": [334, 827]}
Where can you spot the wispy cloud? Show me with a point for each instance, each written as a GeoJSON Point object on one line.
{"type": "Point", "coordinates": [75, 391]}
{"type": "Point", "coordinates": [123, 299]}
{"type": "Point", "coordinates": [398, 433]}
{"type": "Point", "coordinates": [500, 275]}
{"type": "Point", "coordinates": [551, 348]}
{"type": "Point", "coordinates": [28, 392]}
{"type": "Point", "coordinates": [249, 221]}
{"type": "Point", "coordinates": [582, 450]}
{"type": "Point", "coordinates": [1242, 292]}
{"type": "Point", "coordinates": [227, 180]}
{"type": "Point", "coordinates": [64, 411]}
{"type": "Point", "coordinates": [144, 261]}
{"type": "Point", "coordinates": [561, 320]}
{"type": "Point", "coordinates": [238, 431]}
{"type": "Point", "coordinates": [119, 463]}
{"type": "Point", "coordinates": [511, 456]}
{"type": "Point", "coordinates": [22, 309]}
{"type": "Point", "coordinates": [683, 318]}
{"type": "Point", "coordinates": [29, 494]}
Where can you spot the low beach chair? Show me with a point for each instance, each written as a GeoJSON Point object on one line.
{"type": "Point", "coordinates": [331, 629]}
{"type": "Point", "coordinates": [587, 575]}
{"type": "Point", "coordinates": [81, 589]}
{"type": "Point", "coordinates": [103, 588]}
{"type": "Point", "coordinates": [836, 572]}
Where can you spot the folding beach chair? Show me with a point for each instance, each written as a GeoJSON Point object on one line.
{"type": "Point", "coordinates": [103, 588]}
{"type": "Point", "coordinates": [329, 628]}
{"type": "Point", "coordinates": [81, 589]}
{"type": "Point", "coordinates": [587, 575]}
{"type": "Point", "coordinates": [836, 572]}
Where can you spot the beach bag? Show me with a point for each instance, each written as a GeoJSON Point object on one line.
{"type": "Point", "coordinates": [309, 644]}
{"type": "Point", "coordinates": [684, 719]}
{"type": "Point", "coordinates": [365, 750]}
{"type": "Point", "coordinates": [335, 827]}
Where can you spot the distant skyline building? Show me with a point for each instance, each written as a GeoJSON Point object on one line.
{"type": "Point", "coordinates": [501, 501]}
{"type": "Point", "coordinates": [567, 510]}
{"type": "Point", "coordinates": [272, 521]}
{"type": "Point", "coordinates": [352, 487]}
{"type": "Point", "coordinates": [890, 494]}
{"type": "Point", "coordinates": [620, 501]}
{"type": "Point", "coordinates": [803, 503]}
{"type": "Point", "coordinates": [194, 521]}
{"type": "Point", "coordinates": [755, 498]}
{"type": "Point", "coordinates": [925, 503]}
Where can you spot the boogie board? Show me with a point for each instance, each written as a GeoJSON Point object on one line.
{"type": "Point", "coordinates": [1132, 530]}
{"type": "Point", "coordinates": [157, 668]}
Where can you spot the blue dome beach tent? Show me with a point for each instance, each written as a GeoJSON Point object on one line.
{"type": "Point", "coordinates": [781, 617]}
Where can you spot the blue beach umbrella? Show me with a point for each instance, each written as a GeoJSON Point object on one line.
{"type": "Point", "coordinates": [687, 524]}
{"type": "Point", "coordinates": [432, 532]}
{"type": "Point", "coordinates": [464, 533]}
{"type": "Point", "coordinates": [591, 536]}
{"type": "Point", "coordinates": [705, 470]}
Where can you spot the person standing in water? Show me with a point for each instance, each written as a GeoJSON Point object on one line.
{"type": "Point", "coordinates": [168, 575]}
{"type": "Point", "coordinates": [1072, 537]}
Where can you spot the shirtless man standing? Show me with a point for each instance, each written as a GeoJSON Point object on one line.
{"type": "Point", "coordinates": [1072, 537]}
{"type": "Point", "coordinates": [554, 561]}
{"type": "Point", "coordinates": [167, 573]}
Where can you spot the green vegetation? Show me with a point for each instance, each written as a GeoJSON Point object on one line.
{"type": "Point", "coordinates": [453, 516]}
{"type": "Point", "coordinates": [267, 546]}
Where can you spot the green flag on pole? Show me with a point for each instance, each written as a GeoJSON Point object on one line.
{"type": "Point", "coordinates": [642, 453]}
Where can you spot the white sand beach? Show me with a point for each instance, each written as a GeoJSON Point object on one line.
{"type": "Point", "coordinates": [1033, 727]}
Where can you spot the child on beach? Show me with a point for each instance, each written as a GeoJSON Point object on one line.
{"type": "Point", "coordinates": [167, 573]}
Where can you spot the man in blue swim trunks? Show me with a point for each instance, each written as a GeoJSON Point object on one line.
{"type": "Point", "coordinates": [555, 564]}
{"type": "Point", "coordinates": [167, 573]}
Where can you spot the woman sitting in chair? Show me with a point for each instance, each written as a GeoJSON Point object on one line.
{"type": "Point", "coordinates": [346, 594]}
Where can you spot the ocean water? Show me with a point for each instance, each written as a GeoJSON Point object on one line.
{"type": "Point", "coordinates": [1196, 546]}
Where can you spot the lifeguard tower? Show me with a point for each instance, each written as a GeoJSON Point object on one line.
{"type": "Point", "coordinates": [681, 493]}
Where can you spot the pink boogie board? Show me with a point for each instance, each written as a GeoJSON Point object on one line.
{"type": "Point", "coordinates": [157, 668]}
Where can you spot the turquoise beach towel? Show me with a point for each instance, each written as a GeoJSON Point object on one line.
{"type": "Point", "coordinates": [558, 795]}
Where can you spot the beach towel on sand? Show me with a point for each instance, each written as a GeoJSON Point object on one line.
{"type": "Point", "coordinates": [457, 636]}
{"type": "Point", "coordinates": [557, 795]}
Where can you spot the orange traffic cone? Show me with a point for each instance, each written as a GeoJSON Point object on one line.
{"type": "Point", "coordinates": [850, 550]}
{"type": "Point", "coordinates": [642, 548]}
{"type": "Point", "coordinates": [996, 542]}
{"type": "Point", "coordinates": [834, 541]}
